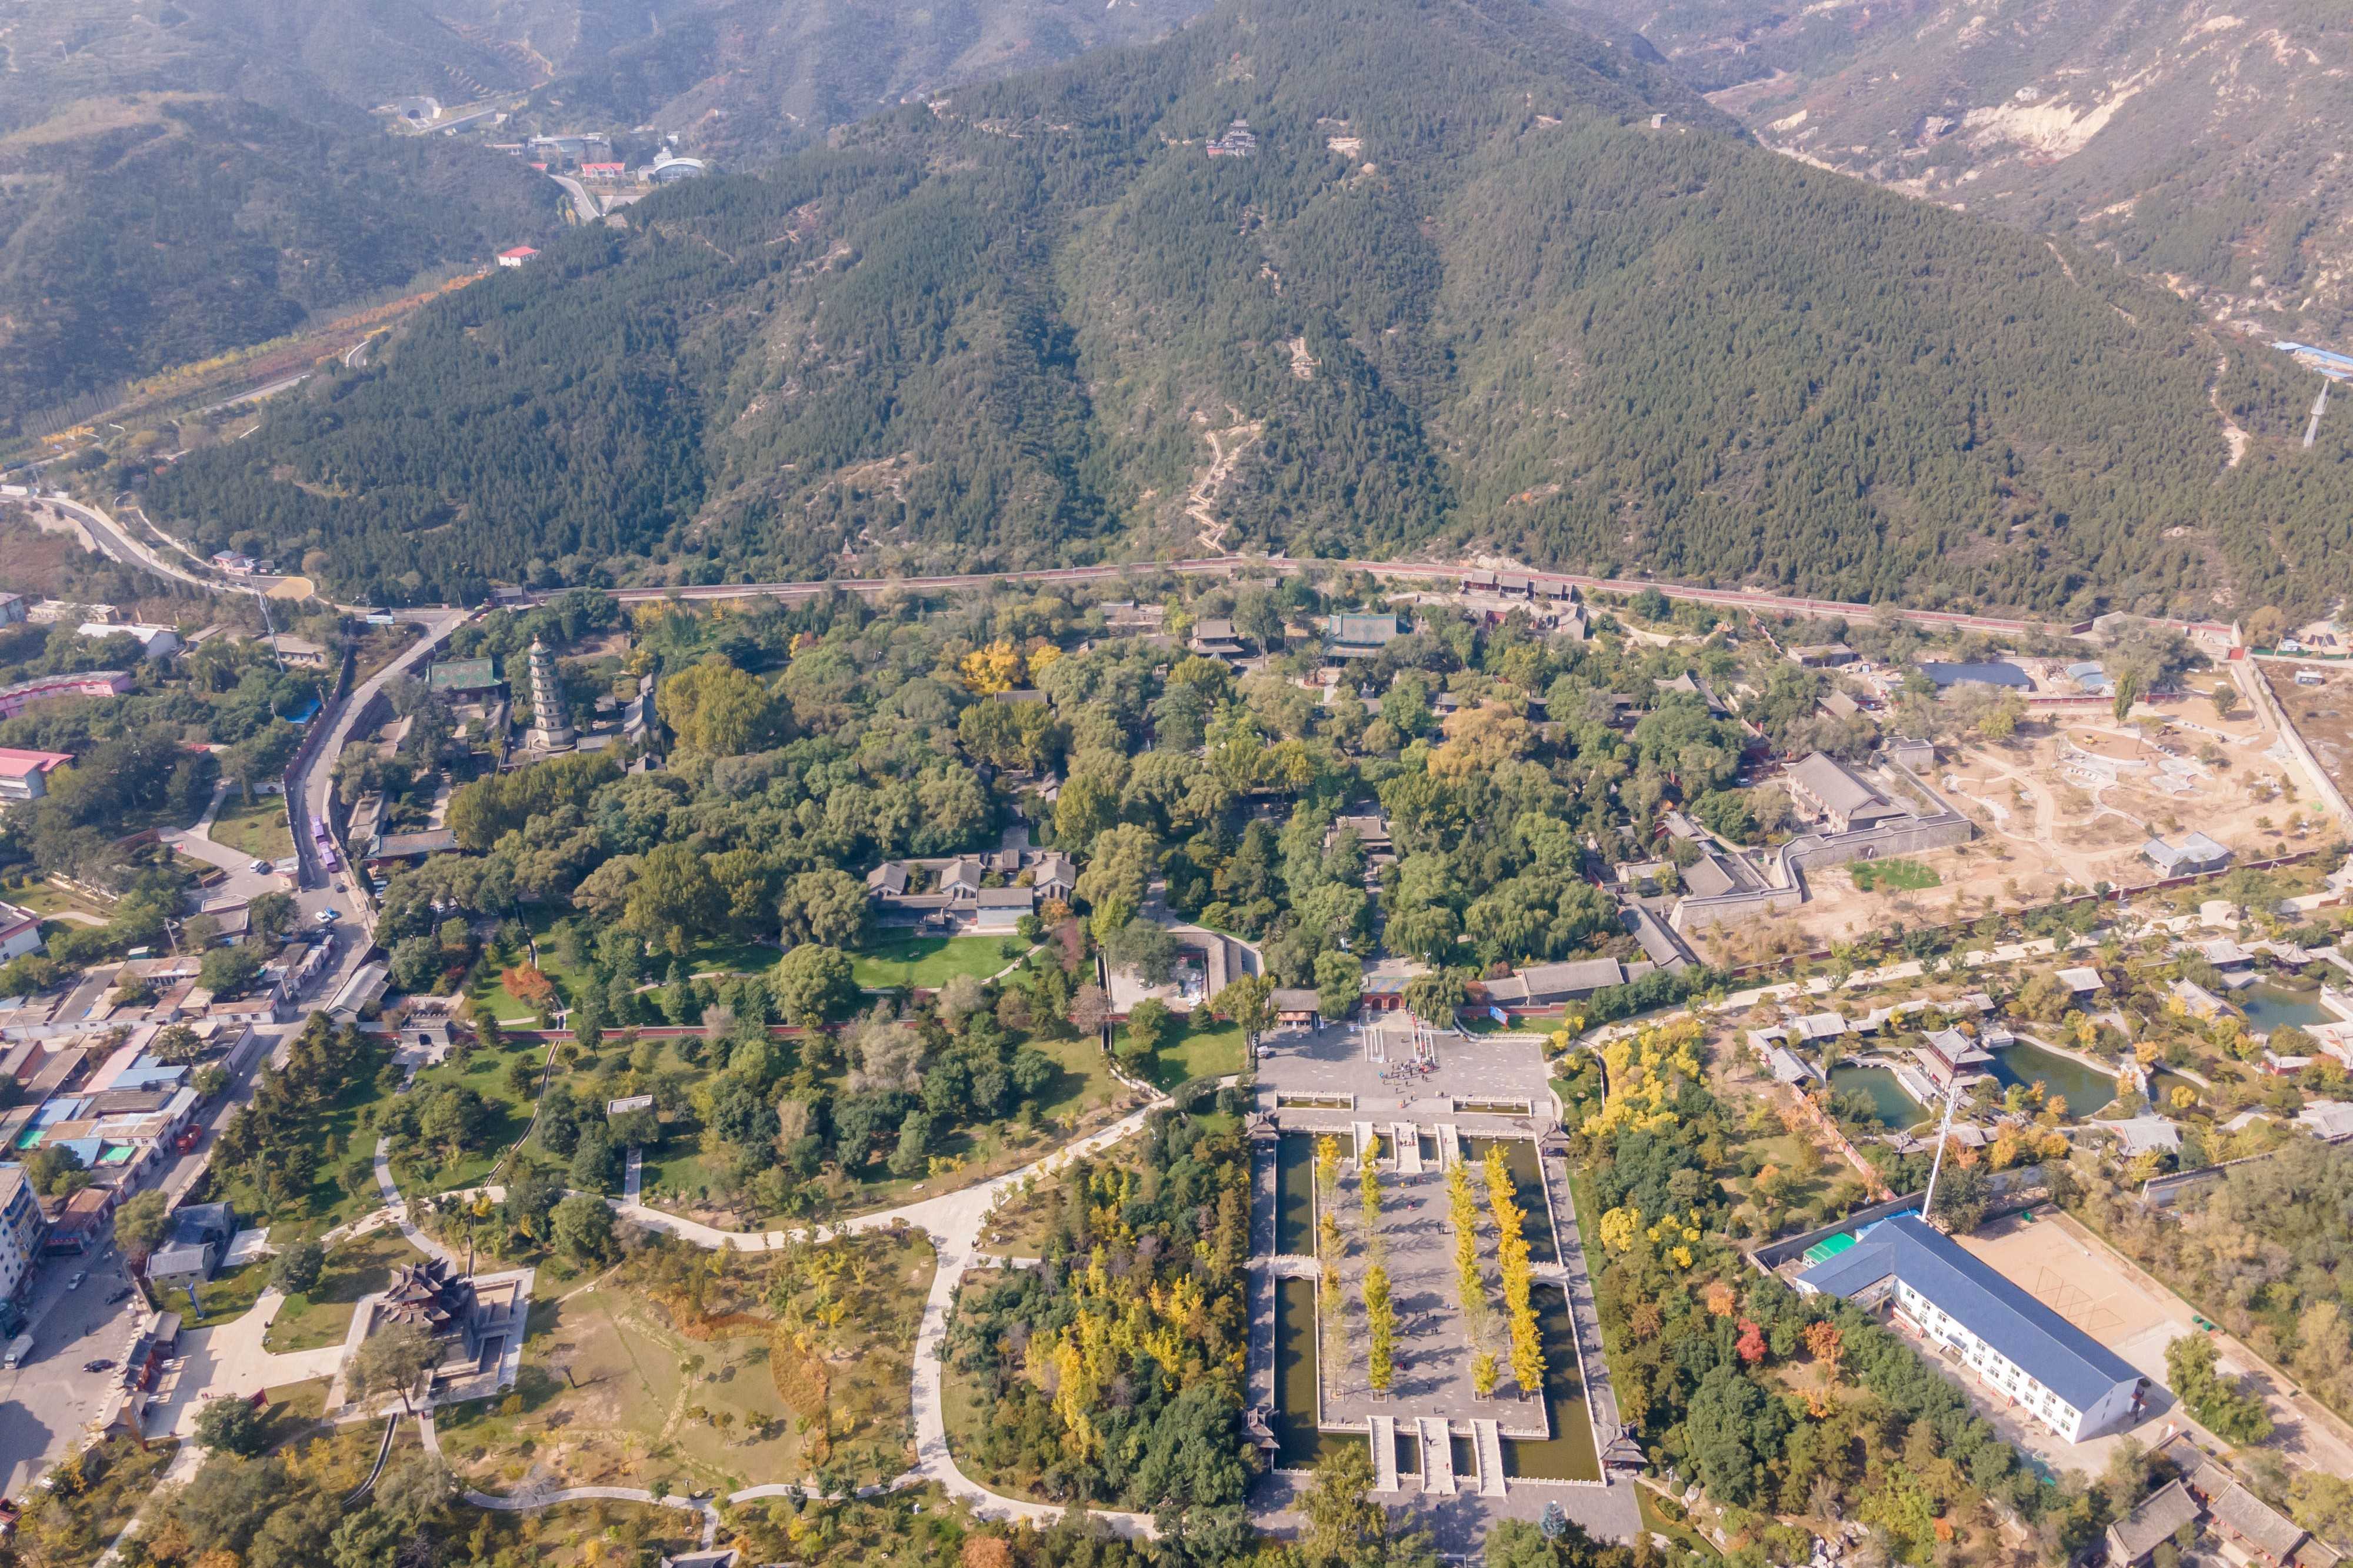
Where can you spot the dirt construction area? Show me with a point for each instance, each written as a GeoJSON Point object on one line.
{"type": "Point", "coordinates": [2076, 1274]}
{"type": "Point", "coordinates": [2320, 706]}
{"type": "Point", "coordinates": [2071, 799]}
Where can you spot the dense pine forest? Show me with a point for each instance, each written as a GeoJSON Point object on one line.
{"type": "Point", "coordinates": [148, 231]}
{"type": "Point", "coordinates": [1463, 289]}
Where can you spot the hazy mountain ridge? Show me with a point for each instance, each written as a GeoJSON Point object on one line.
{"type": "Point", "coordinates": [2199, 142]}
{"type": "Point", "coordinates": [1463, 289]}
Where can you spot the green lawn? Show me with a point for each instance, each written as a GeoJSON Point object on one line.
{"type": "Point", "coordinates": [1206, 1049]}
{"type": "Point", "coordinates": [322, 1315]}
{"type": "Point", "coordinates": [223, 1296]}
{"type": "Point", "coordinates": [1907, 876]}
{"type": "Point", "coordinates": [929, 961]}
{"type": "Point", "coordinates": [719, 955]}
{"type": "Point", "coordinates": [486, 1074]}
{"type": "Point", "coordinates": [256, 827]}
{"type": "Point", "coordinates": [1086, 1081]}
{"type": "Point", "coordinates": [46, 898]}
{"type": "Point", "coordinates": [505, 1005]}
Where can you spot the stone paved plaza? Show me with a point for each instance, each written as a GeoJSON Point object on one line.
{"type": "Point", "coordinates": [1417, 1102]}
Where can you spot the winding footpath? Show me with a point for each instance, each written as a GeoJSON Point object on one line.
{"type": "Point", "coordinates": [953, 1221]}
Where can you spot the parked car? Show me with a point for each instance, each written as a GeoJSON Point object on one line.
{"type": "Point", "coordinates": [262, 868]}
{"type": "Point", "coordinates": [100, 1365]}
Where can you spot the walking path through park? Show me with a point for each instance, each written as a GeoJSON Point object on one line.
{"type": "Point", "coordinates": [954, 1222]}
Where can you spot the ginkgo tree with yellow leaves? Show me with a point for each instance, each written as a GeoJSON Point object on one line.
{"type": "Point", "coordinates": [1128, 1339]}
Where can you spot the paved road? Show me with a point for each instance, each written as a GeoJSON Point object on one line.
{"type": "Point", "coordinates": [257, 395]}
{"type": "Point", "coordinates": [309, 804]}
{"type": "Point", "coordinates": [114, 541]}
{"type": "Point", "coordinates": [583, 204]}
{"type": "Point", "coordinates": [1225, 565]}
{"type": "Point", "coordinates": [47, 1402]}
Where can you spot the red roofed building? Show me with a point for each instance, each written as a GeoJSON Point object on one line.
{"type": "Point", "coordinates": [517, 257]}
{"type": "Point", "coordinates": [15, 699]}
{"type": "Point", "coordinates": [20, 933]}
{"type": "Point", "coordinates": [24, 776]}
{"type": "Point", "coordinates": [603, 171]}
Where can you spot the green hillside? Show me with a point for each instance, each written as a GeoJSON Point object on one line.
{"type": "Point", "coordinates": [1463, 289]}
{"type": "Point", "coordinates": [746, 80]}
{"type": "Point", "coordinates": [142, 233]}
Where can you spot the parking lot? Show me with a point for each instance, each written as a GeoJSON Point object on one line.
{"type": "Point", "coordinates": [46, 1403]}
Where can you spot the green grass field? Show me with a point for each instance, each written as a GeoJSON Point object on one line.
{"type": "Point", "coordinates": [1207, 1050]}
{"type": "Point", "coordinates": [256, 827]}
{"type": "Point", "coordinates": [322, 1315]}
{"type": "Point", "coordinates": [1907, 876]}
{"type": "Point", "coordinates": [718, 955]}
{"type": "Point", "coordinates": [928, 962]}
{"type": "Point", "coordinates": [486, 1074]}
{"type": "Point", "coordinates": [224, 1295]}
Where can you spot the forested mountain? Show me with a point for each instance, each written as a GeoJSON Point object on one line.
{"type": "Point", "coordinates": [175, 181]}
{"type": "Point", "coordinates": [747, 79]}
{"type": "Point", "coordinates": [2199, 142]}
{"type": "Point", "coordinates": [1463, 287]}
{"type": "Point", "coordinates": [162, 229]}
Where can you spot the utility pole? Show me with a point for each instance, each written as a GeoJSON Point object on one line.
{"type": "Point", "coordinates": [1952, 1094]}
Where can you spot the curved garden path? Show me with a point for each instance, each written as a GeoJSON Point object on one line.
{"type": "Point", "coordinates": [954, 1222]}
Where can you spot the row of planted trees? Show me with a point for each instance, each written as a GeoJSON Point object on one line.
{"type": "Point", "coordinates": [1380, 1310]}
{"type": "Point", "coordinates": [1527, 1360]}
{"type": "Point", "coordinates": [1512, 1252]}
{"type": "Point", "coordinates": [1464, 1208]}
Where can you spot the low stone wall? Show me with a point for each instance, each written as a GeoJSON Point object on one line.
{"type": "Point", "coordinates": [1913, 836]}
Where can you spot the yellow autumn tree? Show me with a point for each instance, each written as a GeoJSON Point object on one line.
{"type": "Point", "coordinates": [994, 669]}
{"type": "Point", "coordinates": [1512, 1252]}
{"type": "Point", "coordinates": [1464, 1211]}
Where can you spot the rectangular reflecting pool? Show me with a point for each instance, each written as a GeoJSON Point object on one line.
{"type": "Point", "coordinates": [1568, 1454]}
{"type": "Point", "coordinates": [1298, 1442]}
{"type": "Point", "coordinates": [1295, 1195]}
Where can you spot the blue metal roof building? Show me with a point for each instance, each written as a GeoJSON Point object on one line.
{"type": "Point", "coordinates": [2021, 1349]}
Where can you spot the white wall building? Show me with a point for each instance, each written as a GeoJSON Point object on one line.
{"type": "Point", "coordinates": [22, 1230]}
{"type": "Point", "coordinates": [2019, 1348]}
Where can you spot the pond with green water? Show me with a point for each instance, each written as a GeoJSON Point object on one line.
{"type": "Point", "coordinates": [2086, 1089]}
{"type": "Point", "coordinates": [1299, 1443]}
{"type": "Point", "coordinates": [2268, 1007]}
{"type": "Point", "coordinates": [1568, 1454]}
{"type": "Point", "coordinates": [1895, 1109]}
